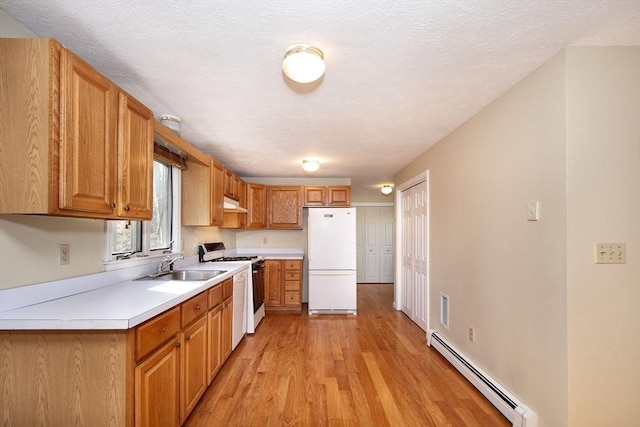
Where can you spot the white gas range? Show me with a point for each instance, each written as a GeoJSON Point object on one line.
{"type": "Point", "coordinates": [253, 291]}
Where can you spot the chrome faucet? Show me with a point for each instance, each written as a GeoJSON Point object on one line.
{"type": "Point", "coordinates": [166, 263]}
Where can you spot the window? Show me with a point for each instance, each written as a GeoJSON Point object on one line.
{"type": "Point", "coordinates": [133, 239]}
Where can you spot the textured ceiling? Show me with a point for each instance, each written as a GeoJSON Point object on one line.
{"type": "Point", "coordinates": [400, 74]}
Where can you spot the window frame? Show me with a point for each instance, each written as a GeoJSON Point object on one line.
{"type": "Point", "coordinates": [147, 256]}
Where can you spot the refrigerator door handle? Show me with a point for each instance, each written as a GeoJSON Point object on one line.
{"type": "Point", "coordinates": [332, 273]}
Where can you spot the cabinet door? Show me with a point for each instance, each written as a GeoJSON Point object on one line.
{"type": "Point", "coordinates": [227, 327]}
{"type": "Point", "coordinates": [156, 388]}
{"type": "Point", "coordinates": [193, 372]}
{"type": "Point", "coordinates": [284, 207]}
{"type": "Point", "coordinates": [217, 193]}
{"type": "Point", "coordinates": [339, 195]}
{"type": "Point", "coordinates": [215, 341]}
{"type": "Point", "coordinates": [256, 206]}
{"type": "Point", "coordinates": [230, 184]}
{"type": "Point", "coordinates": [273, 283]}
{"type": "Point", "coordinates": [135, 159]}
{"type": "Point", "coordinates": [315, 195]}
{"type": "Point", "coordinates": [87, 138]}
{"type": "Point", "coordinates": [196, 186]}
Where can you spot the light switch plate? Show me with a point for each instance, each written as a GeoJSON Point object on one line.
{"type": "Point", "coordinates": [611, 253]}
{"type": "Point", "coordinates": [533, 210]}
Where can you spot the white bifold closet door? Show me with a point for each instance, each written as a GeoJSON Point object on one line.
{"type": "Point", "coordinates": [375, 255]}
{"type": "Point", "coordinates": [415, 253]}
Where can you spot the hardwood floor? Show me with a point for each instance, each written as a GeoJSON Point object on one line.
{"type": "Point", "coordinates": [373, 369]}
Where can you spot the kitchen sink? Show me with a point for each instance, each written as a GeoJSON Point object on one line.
{"type": "Point", "coordinates": [185, 275]}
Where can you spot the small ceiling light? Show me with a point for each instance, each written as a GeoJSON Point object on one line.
{"type": "Point", "coordinates": [386, 189]}
{"type": "Point", "coordinates": [303, 63]}
{"type": "Point", "coordinates": [310, 165]}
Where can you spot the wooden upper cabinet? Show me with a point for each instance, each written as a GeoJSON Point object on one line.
{"type": "Point", "coordinates": [284, 207]}
{"type": "Point", "coordinates": [339, 195]}
{"type": "Point", "coordinates": [66, 132]}
{"type": "Point", "coordinates": [256, 205]}
{"type": "Point", "coordinates": [242, 193]}
{"type": "Point", "coordinates": [230, 184]}
{"type": "Point", "coordinates": [88, 149]}
{"type": "Point", "coordinates": [315, 195]}
{"type": "Point", "coordinates": [217, 195]}
{"type": "Point", "coordinates": [135, 159]}
{"type": "Point", "coordinates": [331, 195]}
{"type": "Point", "coordinates": [197, 182]}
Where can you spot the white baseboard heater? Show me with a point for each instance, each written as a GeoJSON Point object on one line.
{"type": "Point", "coordinates": [515, 411]}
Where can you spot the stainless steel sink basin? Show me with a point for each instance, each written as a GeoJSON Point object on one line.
{"type": "Point", "coordinates": [185, 275]}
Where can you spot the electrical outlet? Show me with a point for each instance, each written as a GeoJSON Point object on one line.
{"type": "Point", "coordinates": [64, 253]}
{"type": "Point", "coordinates": [611, 253]}
{"type": "Point", "coordinates": [472, 335]}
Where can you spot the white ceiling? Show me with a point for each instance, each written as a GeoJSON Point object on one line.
{"type": "Point", "coordinates": [400, 74]}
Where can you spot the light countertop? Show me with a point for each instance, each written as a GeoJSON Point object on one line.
{"type": "Point", "coordinates": [118, 306]}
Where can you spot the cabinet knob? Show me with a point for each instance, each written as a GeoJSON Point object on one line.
{"type": "Point", "coordinates": [113, 205]}
{"type": "Point", "coordinates": [164, 329]}
{"type": "Point", "coordinates": [177, 343]}
{"type": "Point", "coordinates": [198, 307]}
{"type": "Point", "coordinates": [188, 338]}
{"type": "Point", "coordinates": [127, 208]}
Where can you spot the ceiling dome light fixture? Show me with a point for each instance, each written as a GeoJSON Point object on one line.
{"type": "Point", "coordinates": [303, 63]}
{"type": "Point", "coordinates": [310, 165]}
{"type": "Point", "coordinates": [386, 189]}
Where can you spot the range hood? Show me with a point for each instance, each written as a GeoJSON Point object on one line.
{"type": "Point", "coordinates": [231, 205]}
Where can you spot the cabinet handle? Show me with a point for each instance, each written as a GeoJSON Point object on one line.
{"type": "Point", "coordinates": [178, 344]}
{"type": "Point", "coordinates": [198, 307]}
{"type": "Point", "coordinates": [112, 205]}
{"type": "Point", "coordinates": [189, 338]}
{"type": "Point", "coordinates": [164, 329]}
{"type": "Point", "coordinates": [127, 208]}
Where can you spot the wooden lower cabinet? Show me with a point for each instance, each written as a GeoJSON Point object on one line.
{"type": "Point", "coordinates": [283, 285]}
{"type": "Point", "coordinates": [220, 320]}
{"type": "Point", "coordinates": [194, 377]}
{"type": "Point", "coordinates": [152, 375]}
{"type": "Point", "coordinates": [215, 343]}
{"type": "Point", "coordinates": [272, 283]}
{"type": "Point", "coordinates": [157, 382]}
{"type": "Point", "coordinates": [226, 328]}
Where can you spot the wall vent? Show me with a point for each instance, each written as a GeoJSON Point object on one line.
{"type": "Point", "coordinates": [505, 402]}
{"type": "Point", "coordinates": [444, 310]}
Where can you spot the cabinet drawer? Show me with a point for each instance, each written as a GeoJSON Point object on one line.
{"type": "Point", "coordinates": [227, 288]}
{"type": "Point", "coordinates": [194, 308]}
{"type": "Point", "coordinates": [292, 285]}
{"type": "Point", "coordinates": [156, 331]}
{"type": "Point", "coordinates": [292, 264]}
{"type": "Point", "coordinates": [215, 296]}
{"type": "Point", "coordinates": [291, 275]}
{"type": "Point", "coordinates": [291, 298]}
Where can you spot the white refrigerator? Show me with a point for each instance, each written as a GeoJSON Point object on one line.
{"type": "Point", "coordinates": [331, 244]}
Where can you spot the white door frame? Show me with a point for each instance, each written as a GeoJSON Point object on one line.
{"type": "Point", "coordinates": [397, 297]}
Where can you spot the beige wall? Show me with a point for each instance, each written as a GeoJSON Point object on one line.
{"type": "Point", "coordinates": [29, 248]}
{"type": "Point", "coordinates": [505, 275]}
{"type": "Point", "coordinates": [603, 205]}
{"type": "Point", "coordinates": [10, 28]}
{"type": "Point", "coordinates": [568, 135]}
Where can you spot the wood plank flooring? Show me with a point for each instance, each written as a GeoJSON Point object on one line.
{"type": "Point", "coordinates": [373, 369]}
